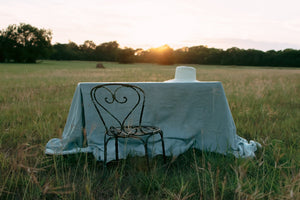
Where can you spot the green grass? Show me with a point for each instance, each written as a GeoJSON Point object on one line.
{"type": "Point", "coordinates": [34, 104]}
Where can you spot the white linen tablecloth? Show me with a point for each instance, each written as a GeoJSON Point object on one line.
{"type": "Point", "coordinates": [193, 114]}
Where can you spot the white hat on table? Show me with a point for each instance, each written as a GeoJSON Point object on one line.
{"type": "Point", "coordinates": [184, 74]}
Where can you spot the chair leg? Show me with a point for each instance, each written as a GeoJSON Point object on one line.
{"type": "Point", "coordinates": [163, 147]}
{"type": "Point", "coordinates": [105, 151]}
{"type": "Point", "coordinates": [117, 148]}
{"type": "Point", "coordinates": [146, 154]}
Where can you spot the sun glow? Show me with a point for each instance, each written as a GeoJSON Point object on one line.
{"type": "Point", "coordinates": [158, 35]}
{"type": "Point", "coordinates": [160, 30]}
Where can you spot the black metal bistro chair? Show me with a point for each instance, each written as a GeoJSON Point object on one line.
{"type": "Point", "coordinates": [128, 103]}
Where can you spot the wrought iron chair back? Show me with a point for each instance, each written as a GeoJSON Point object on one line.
{"type": "Point", "coordinates": [131, 97]}
{"type": "Point", "coordinates": [104, 96]}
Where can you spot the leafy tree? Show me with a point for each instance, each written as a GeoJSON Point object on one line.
{"type": "Point", "coordinates": [68, 51]}
{"type": "Point", "coordinates": [289, 57]}
{"type": "Point", "coordinates": [2, 50]}
{"type": "Point", "coordinates": [181, 55]}
{"type": "Point", "coordinates": [126, 55]}
{"type": "Point", "coordinates": [24, 43]}
{"type": "Point", "coordinates": [270, 58]}
{"type": "Point", "coordinates": [107, 51]}
{"type": "Point", "coordinates": [164, 55]}
{"type": "Point", "coordinates": [88, 50]}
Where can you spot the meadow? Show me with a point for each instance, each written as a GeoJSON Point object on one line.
{"type": "Point", "coordinates": [34, 104]}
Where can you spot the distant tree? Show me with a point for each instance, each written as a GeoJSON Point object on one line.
{"type": "Point", "coordinates": [164, 55]}
{"type": "Point", "coordinates": [24, 43]}
{"type": "Point", "coordinates": [126, 55]}
{"type": "Point", "coordinates": [181, 55]}
{"type": "Point", "coordinates": [145, 56]}
{"type": "Point", "coordinates": [198, 54]}
{"type": "Point", "coordinates": [138, 55]}
{"type": "Point", "coordinates": [88, 50]}
{"type": "Point", "coordinates": [253, 57]}
{"type": "Point", "coordinates": [88, 44]}
{"type": "Point", "coordinates": [68, 51]}
{"type": "Point", "coordinates": [2, 49]}
{"type": "Point", "coordinates": [107, 51]}
{"type": "Point", "coordinates": [270, 58]}
{"type": "Point", "coordinates": [59, 52]}
{"type": "Point", "coordinates": [289, 58]}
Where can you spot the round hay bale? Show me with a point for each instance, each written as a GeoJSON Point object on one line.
{"type": "Point", "coordinates": [100, 65]}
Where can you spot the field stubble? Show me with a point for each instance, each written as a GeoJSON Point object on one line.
{"type": "Point", "coordinates": [34, 103]}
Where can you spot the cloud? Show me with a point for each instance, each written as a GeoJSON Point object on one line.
{"type": "Point", "coordinates": [225, 43]}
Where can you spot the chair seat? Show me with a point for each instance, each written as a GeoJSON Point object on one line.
{"type": "Point", "coordinates": [132, 131]}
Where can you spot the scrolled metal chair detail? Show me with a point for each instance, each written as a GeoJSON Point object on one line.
{"type": "Point", "coordinates": [123, 126]}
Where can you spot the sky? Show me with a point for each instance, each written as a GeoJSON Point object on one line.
{"type": "Point", "coordinates": [246, 24]}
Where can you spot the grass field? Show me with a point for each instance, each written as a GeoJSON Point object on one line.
{"type": "Point", "coordinates": [34, 104]}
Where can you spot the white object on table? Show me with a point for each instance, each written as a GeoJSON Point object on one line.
{"type": "Point", "coordinates": [184, 74]}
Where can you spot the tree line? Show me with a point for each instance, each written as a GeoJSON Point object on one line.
{"type": "Point", "coordinates": [25, 43]}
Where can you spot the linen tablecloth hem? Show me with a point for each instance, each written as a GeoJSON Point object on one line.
{"type": "Point", "coordinates": [245, 149]}
{"type": "Point", "coordinates": [70, 151]}
{"type": "Point", "coordinates": [242, 149]}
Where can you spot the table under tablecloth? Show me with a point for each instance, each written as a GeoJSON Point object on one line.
{"type": "Point", "coordinates": [191, 115]}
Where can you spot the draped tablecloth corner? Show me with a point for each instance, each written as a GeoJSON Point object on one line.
{"type": "Point", "coordinates": [244, 148]}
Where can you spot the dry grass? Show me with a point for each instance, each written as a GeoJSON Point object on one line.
{"type": "Point", "coordinates": [34, 103]}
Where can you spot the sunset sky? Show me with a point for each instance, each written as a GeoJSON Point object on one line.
{"type": "Point", "coordinates": [258, 24]}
